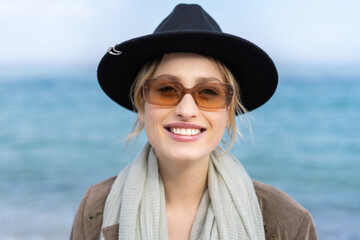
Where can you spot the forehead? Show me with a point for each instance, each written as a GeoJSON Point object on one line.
{"type": "Point", "coordinates": [188, 68]}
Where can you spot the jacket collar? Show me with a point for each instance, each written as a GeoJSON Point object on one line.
{"type": "Point", "coordinates": [111, 232]}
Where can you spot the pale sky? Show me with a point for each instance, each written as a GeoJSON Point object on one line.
{"type": "Point", "coordinates": [78, 32]}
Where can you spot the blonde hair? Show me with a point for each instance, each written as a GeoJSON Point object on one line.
{"type": "Point", "coordinates": [148, 70]}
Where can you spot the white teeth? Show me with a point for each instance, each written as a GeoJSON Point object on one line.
{"type": "Point", "coordinates": [185, 131]}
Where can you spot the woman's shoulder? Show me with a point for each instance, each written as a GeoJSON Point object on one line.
{"type": "Point", "coordinates": [276, 200]}
{"type": "Point", "coordinates": [95, 197]}
{"type": "Point", "coordinates": [88, 218]}
{"type": "Point", "coordinates": [102, 188]}
{"type": "Point", "coordinates": [284, 218]}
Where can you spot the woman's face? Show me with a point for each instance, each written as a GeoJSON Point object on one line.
{"type": "Point", "coordinates": [206, 127]}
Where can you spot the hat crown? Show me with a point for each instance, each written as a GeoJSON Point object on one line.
{"type": "Point", "coordinates": [189, 17]}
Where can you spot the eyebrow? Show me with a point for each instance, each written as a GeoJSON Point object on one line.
{"type": "Point", "coordinates": [198, 80]}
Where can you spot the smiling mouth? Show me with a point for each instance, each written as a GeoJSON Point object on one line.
{"type": "Point", "coordinates": [186, 131]}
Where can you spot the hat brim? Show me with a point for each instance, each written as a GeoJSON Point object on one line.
{"type": "Point", "coordinates": [253, 69]}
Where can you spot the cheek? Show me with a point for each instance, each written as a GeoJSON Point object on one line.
{"type": "Point", "coordinates": [218, 121]}
{"type": "Point", "coordinates": [153, 120]}
{"type": "Point", "coordinates": [222, 126]}
{"type": "Point", "coordinates": [149, 119]}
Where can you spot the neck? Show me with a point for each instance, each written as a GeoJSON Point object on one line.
{"type": "Point", "coordinates": [184, 183]}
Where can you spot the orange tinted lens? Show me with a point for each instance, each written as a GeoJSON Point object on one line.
{"type": "Point", "coordinates": [162, 92]}
{"type": "Point", "coordinates": [211, 95]}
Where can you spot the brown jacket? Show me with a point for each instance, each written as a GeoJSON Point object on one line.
{"type": "Point", "coordinates": [283, 217]}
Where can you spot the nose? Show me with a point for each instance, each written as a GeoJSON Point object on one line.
{"type": "Point", "coordinates": [187, 107]}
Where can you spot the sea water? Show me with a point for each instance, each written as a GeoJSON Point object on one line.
{"type": "Point", "coordinates": [60, 134]}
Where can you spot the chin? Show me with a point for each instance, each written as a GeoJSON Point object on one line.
{"type": "Point", "coordinates": [187, 154]}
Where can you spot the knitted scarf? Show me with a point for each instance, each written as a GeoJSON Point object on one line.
{"type": "Point", "coordinates": [229, 208]}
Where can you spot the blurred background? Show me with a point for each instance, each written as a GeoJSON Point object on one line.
{"type": "Point", "coordinates": [59, 133]}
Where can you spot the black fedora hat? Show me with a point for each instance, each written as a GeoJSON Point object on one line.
{"type": "Point", "coordinates": [189, 28]}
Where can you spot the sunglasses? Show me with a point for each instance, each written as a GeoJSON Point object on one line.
{"type": "Point", "coordinates": [169, 93]}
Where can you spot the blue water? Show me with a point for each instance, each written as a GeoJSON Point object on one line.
{"type": "Point", "coordinates": [59, 135]}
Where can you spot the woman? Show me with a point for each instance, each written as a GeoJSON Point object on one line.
{"type": "Point", "coordinates": [187, 81]}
